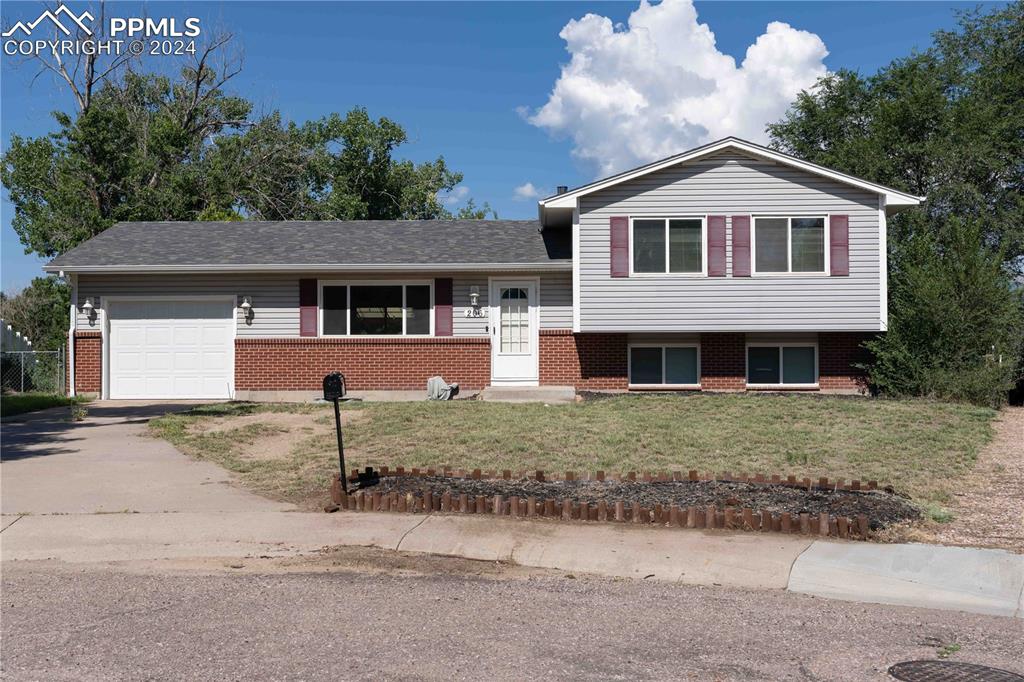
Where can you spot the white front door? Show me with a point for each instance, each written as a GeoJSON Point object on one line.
{"type": "Point", "coordinates": [162, 348]}
{"type": "Point", "coordinates": [514, 332]}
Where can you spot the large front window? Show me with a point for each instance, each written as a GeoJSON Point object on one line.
{"type": "Point", "coordinates": [668, 245]}
{"type": "Point", "coordinates": [664, 366]}
{"type": "Point", "coordinates": [789, 245]}
{"type": "Point", "coordinates": [371, 309]}
{"type": "Point", "coordinates": [780, 365]}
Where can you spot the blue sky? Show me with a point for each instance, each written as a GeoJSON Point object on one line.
{"type": "Point", "coordinates": [456, 75]}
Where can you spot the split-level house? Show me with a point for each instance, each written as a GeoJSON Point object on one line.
{"type": "Point", "coordinates": [727, 267]}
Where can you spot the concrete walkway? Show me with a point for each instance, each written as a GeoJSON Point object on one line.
{"type": "Point", "coordinates": [102, 490]}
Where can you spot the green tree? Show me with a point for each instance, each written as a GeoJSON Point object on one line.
{"type": "Point", "coordinates": [946, 123]}
{"type": "Point", "coordinates": [959, 330]}
{"type": "Point", "coordinates": [40, 312]}
{"type": "Point", "coordinates": [149, 147]}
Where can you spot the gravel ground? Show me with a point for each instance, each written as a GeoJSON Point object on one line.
{"type": "Point", "coordinates": [882, 508]}
{"type": "Point", "coordinates": [415, 618]}
{"type": "Point", "coordinates": [989, 508]}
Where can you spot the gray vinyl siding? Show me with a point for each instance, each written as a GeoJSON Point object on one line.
{"type": "Point", "coordinates": [555, 302]}
{"type": "Point", "coordinates": [275, 298]}
{"type": "Point", "coordinates": [729, 184]}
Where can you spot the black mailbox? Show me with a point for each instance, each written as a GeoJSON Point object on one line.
{"type": "Point", "coordinates": [334, 386]}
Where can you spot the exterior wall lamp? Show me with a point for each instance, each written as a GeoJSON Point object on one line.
{"type": "Point", "coordinates": [246, 307]}
{"type": "Point", "coordinates": [474, 309]}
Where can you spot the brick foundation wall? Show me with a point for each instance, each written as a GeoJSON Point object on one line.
{"type": "Point", "coordinates": [723, 362]}
{"type": "Point", "coordinates": [586, 361]}
{"type": "Point", "coordinates": [368, 364]}
{"type": "Point", "coordinates": [88, 362]}
{"type": "Point", "coordinates": [837, 352]}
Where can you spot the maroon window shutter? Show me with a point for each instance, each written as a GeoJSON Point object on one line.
{"type": "Point", "coordinates": [839, 241]}
{"type": "Point", "coordinates": [307, 307]}
{"type": "Point", "coordinates": [741, 246]}
{"type": "Point", "coordinates": [716, 246]}
{"type": "Point", "coordinates": [620, 246]}
{"type": "Point", "coordinates": [443, 306]}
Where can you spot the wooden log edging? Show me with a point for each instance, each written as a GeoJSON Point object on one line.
{"type": "Point", "coordinates": [744, 519]}
{"type": "Point", "coordinates": [823, 483]}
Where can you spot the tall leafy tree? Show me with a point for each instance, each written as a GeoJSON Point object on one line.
{"type": "Point", "coordinates": [947, 123]}
{"type": "Point", "coordinates": [152, 147]}
{"type": "Point", "coordinates": [39, 312]}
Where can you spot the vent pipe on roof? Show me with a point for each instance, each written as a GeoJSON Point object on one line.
{"type": "Point", "coordinates": [562, 189]}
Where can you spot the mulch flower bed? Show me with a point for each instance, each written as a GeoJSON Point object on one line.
{"type": "Point", "coordinates": [883, 509]}
{"type": "Point", "coordinates": [757, 503]}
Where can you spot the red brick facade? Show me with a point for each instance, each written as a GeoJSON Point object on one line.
{"type": "Point", "coordinates": [88, 362]}
{"type": "Point", "coordinates": [586, 361]}
{"type": "Point", "coordinates": [837, 353]}
{"type": "Point", "coordinates": [723, 362]}
{"type": "Point", "coordinates": [368, 364]}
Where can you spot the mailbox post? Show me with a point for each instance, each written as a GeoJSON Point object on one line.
{"type": "Point", "coordinates": [334, 390]}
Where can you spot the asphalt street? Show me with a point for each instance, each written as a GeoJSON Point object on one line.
{"type": "Point", "coordinates": [367, 614]}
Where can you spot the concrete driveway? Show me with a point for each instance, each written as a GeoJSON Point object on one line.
{"type": "Point", "coordinates": [104, 490]}
{"type": "Point", "coordinates": [108, 463]}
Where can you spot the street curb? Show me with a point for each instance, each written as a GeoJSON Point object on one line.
{"type": "Point", "coordinates": [985, 581]}
{"type": "Point", "coordinates": [982, 581]}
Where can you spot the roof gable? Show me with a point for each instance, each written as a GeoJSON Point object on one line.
{"type": "Point", "coordinates": [893, 198]}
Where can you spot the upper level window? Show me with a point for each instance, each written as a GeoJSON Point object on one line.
{"type": "Point", "coordinates": [668, 245]}
{"type": "Point", "coordinates": [789, 244]}
{"type": "Point", "coordinates": [375, 309]}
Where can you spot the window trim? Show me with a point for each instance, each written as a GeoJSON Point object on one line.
{"type": "Point", "coordinates": [348, 284]}
{"type": "Point", "coordinates": [661, 345]}
{"type": "Point", "coordinates": [782, 371]}
{"type": "Point", "coordinates": [827, 245]}
{"type": "Point", "coordinates": [703, 217]}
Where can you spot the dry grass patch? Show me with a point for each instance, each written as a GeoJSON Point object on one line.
{"type": "Point", "coordinates": [921, 448]}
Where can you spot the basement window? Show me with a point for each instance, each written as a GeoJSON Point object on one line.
{"type": "Point", "coordinates": [775, 365]}
{"type": "Point", "coordinates": [668, 366]}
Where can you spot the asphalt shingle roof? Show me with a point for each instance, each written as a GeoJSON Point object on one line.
{"type": "Point", "coordinates": [354, 242]}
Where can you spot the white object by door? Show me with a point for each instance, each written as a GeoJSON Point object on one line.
{"type": "Point", "coordinates": [163, 348]}
{"type": "Point", "coordinates": [514, 332]}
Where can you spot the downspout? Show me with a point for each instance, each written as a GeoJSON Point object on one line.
{"type": "Point", "coordinates": [883, 270]}
{"type": "Point", "coordinates": [73, 324]}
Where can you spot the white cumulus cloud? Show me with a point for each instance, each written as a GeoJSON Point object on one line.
{"type": "Point", "coordinates": [658, 86]}
{"type": "Point", "coordinates": [526, 191]}
{"type": "Point", "coordinates": [458, 194]}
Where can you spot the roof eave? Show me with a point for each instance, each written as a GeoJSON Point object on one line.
{"type": "Point", "coordinates": [562, 265]}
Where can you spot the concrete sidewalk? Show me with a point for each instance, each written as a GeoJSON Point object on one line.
{"type": "Point", "coordinates": [978, 581]}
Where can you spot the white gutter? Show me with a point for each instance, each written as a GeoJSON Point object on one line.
{"type": "Point", "coordinates": [558, 266]}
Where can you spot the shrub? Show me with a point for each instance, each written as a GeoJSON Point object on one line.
{"type": "Point", "coordinates": [956, 321]}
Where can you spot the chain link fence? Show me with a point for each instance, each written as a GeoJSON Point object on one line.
{"type": "Point", "coordinates": [32, 371]}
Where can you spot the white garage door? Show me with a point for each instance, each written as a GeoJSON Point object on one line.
{"type": "Point", "coordinates": [171, 348]}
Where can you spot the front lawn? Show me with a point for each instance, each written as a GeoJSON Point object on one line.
{"type": "Point", "coordinates": [19, 403]}
{"type": "Point", "coordinates": [289, 451]}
